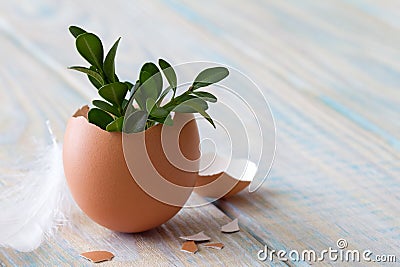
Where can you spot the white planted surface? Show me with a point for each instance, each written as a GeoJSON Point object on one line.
{"type": "Point", "coordinates": [329, 69]}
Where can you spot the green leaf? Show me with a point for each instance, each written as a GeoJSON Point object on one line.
{"type": "Point", "coordinates": [125, 103]}
{"type": "Point", "coordinates": [150, 103]}
{"type": "Point", "coordinates": [167, 120]}
{"type": "Point", "coordinates": [207, 117]}
{"type": "Point", "coordinates": [159, 112]}
{"type": "Point", "coordinates": [114, 93]}
{"type": "Point", "coordinates": [109, 62]}
{"type": "Point", "coordinates": [129, 84]}
{"type": "Point", "coordinates": [136, 122]}
{"type": "Point", "coordinates": [141, 99]}
{"type": "Point", "coordinates": [191, 106]}
{"type": "Point", "coordinates": [106, 107]}
{"type": "Point", "coordinates": [99, 118]}
{"type": "Point", "coordinates": [195, 105]}
{"type": "Point", "coordinates": [169, 73]}
{"type": "Point", "coordinates": [116, 125]}
{"type": "Point", "coordinates": [210, 76]}
{"type": "Point", "coordinates": [132, 94]}
{"type": "Point", "coordinates": [76, 31]}
{"type": "Point", "coordinates": [90, 47]}
{"type": "Point", "coordinates": [93, 80]}
{"type": "Point", "coordinates": [148, 71]}
{"type": "Point", "coordinates": [150, 81]}
{"type": "Point", "coordinates": [183, 98]}
{"type": "Point", "coordinates": [144, 92]}
{"type": "Point", "coordinates": [206, 96]}
{"type": "Point", "coordinates": [89, 72]}
{"type": "Point", "coordinates": [163, 94]}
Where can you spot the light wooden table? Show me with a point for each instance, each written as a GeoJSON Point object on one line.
{"type": "Point", "coordinates": [330, 70]}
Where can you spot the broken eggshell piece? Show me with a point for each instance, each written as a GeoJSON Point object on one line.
{"type": "Point", "coordinates": [231, 227]}
{"type": "Point", "coordinates": [218, 246]}
{"type": "Point", "coordinates": [97, 256]}
{"type": "Point", "coordinates": [221, 176]}
{"type": "Point", "coordinates": [189, 247]}
{"type": "Point", "coordinates": [197, 237]}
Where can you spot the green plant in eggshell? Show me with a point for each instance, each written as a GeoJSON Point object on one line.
{"type": "Point", "coordinates": [147, 92]}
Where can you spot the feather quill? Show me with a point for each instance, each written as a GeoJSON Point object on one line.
{"type": "Point", "coordinates": [34, 206]}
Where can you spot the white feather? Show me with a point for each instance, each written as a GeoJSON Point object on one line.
{"type": "Point", "coordinates": [33, 207]}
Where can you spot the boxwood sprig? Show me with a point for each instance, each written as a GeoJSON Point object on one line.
{"type": "Point", "coordinates": [147, 92]}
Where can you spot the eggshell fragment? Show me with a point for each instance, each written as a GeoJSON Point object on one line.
{"type": "Point", "coordinates": [190, 247]}
{"type": "Point", "coordinates": [218, 246]}
{"type": "Point", "coordinates": [197, 237]}
{"type": "Point", "coordinates": [220, 177]}
{"type": "Point", "coordinates": [83, 111]}
{"type": "Point", "coordinates": [97, 256]}
{"type": "Point", "coordinates": [231, 227]}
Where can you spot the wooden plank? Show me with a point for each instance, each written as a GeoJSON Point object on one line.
{"type": "Point", "coordinates": [35, 95]}
{"type": "Point", "coordinates": [336, 172]}
{"type": "Point", "coordinates": [326, 61]}
{"type": "Point", "coordinates": [157, 247]}
{"type": "Point", "coordinates": [330, 71]}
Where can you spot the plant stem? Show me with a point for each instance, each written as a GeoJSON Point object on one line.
{"type": "Point", "coordinates": [173, 97]}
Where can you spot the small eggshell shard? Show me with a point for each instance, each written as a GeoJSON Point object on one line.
{"type": "Point", "coordinates": [231, 227]}
{"type": "Point", "coordinates": [83, 111]}
{"type": "Point", "coordinates": [189, 247]}
{"type": "Point", "coordinates": [97, 256]}
{"type": "Point", "coordinates": [218, 246]}
{"type": "Point", "coordinates": [221, 177]}
{"type": "Point", "coordinates": [197, 237]}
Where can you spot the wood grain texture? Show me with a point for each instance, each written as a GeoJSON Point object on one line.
{"type": "Point", "coordinates": [330, 70]}
{"type": "Point", "coordinates": [157, 247]}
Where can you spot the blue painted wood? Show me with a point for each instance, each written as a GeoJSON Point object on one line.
{"type": "Point", "coordinates": [330, 70]}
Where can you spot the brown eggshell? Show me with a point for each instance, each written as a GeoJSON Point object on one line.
{"type": "Point", "coordinates": [97, 256]}
{"type": "Point", "coordinates": [224, 177]}
{"type": "Point", "coordinates": [189, 247]}
{"type": "Point", "coordinates": [102, 185]}
{"type": "Point", "coordinates": [218, 185]}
